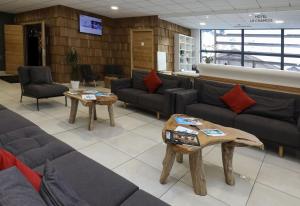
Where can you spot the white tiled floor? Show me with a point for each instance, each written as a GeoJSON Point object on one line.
{"type": "Point", "coordinates": [133, 149]}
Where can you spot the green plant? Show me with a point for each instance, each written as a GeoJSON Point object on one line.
{"type": "Point", "coordinates": [72, 59]}
{"type": "Point", "coordinates": [208, 60]}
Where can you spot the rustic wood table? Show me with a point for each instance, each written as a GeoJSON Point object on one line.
{"type": "Point", "coordinates": [91, 104]}
{"type": "Point", "coordinates": [233, 138]}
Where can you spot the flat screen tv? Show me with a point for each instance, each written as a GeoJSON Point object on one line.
{"type": "Point", "coordinates": [90, 25]}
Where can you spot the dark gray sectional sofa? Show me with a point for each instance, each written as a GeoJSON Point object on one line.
{"type": "Point", "coordinates": [275, 118]}
{"type": "Point", "coordinates": [94, 183]}
{"type": "Point", "coordinates": [133, 91]}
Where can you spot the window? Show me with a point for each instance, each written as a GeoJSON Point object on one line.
{"type": "Point", "coordinates": [259, 48]}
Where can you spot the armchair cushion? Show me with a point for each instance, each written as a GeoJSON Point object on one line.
{"type": "Point", "coordinates": [167, 84]}
{"type": "Point", "coordinates": [40, 75]}
{"type": "Point", "coordinates": [44, 90]}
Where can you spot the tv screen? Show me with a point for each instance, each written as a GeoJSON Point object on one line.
{"type": "Point", "coordinates": [90, 25]}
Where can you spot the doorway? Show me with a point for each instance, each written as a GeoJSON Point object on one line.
{"type": "Point", "coordinates": [142, 49]}
{"type": "Point", "coordinates": [33, 45]}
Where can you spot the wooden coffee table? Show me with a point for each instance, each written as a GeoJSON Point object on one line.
{"type": "Point", "coordinates": [233, 138]}
{"type": "Point", "coordinates": [104, 100]}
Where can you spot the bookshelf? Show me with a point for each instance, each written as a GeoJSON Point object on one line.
{"type": "Point", "coordinates": [184, 52]}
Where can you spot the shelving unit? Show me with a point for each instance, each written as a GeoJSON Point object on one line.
{"type": "Point", "coordinates": [184, 52]}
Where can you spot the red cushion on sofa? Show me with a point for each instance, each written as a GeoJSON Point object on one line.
{"type": "Point", "coordinates": [237, 100]}
{"type": "Point", "coordinates": [8, 160]}
{"type": "Point", "coordinates": [152, 81]}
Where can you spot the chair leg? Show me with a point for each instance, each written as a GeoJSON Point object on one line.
{"type": "Point", "coordinates": [37, 105]}
{"type": "Point", "coordinates": [281, 151]}
{"type": "Point", "coordinates": [66, 101]}
{"type": "Point", "coordinates": [21, 98]}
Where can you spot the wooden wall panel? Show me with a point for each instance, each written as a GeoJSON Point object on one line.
{"type": "Point", "coordinates": [14, 48]}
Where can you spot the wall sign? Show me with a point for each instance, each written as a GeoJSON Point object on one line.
{"type": "Point", "coordinates": [261, 18]}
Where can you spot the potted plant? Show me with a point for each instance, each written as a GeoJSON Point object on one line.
{"type": "Point", "coordinates": [72, 59]}
{"type": "Point", "coordinates": [208, 60]}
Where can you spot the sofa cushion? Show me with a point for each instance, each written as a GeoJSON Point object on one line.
{"type": "Point", "coordinates": [8, 160]}
{"type": "Point", "coordinates": [154, 102]}
{"type": "Point", "coordinates": [152, 81]}
{"type": "Point", "coordinates": [210, 94]}
{"type": "Point", "coordinates": [142, 198]}
{"type": "Point", "coordinates": [45, 90]}
{"type": "Point", "coordinates": [15, 190]}
{"type": "Point", "coordinates": [130, 95]}
{"type": "Point", "coordinates": [281, 109]}
{"type": "Point", "coordinates": [33, 146]}
{"type": "Point", "coordinates": [55, 191]}
{"type": "Point", "coordinates": [167, 84]}
{"type": "Point", "coordinates": [269, 129]}
{"type": "Point", "coordinates": [93, 182]}
{"type": "Point", "coordinates": [215, 114]}
{"type": "Point", "coordinates": [237, 100]}
{"type": "Point", "coordinates": [138, 80]}
{"type": "Point", "coordinates": [40, 75]}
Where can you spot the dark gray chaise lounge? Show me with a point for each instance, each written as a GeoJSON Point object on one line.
{"type": "Point", "coordinates": [275, 118]}
{"type": "Point", "coordinates": [91, 181]}
{"type": "Point", "coordinates": [36, 82]}
{"type": "Point", "coordinates": [133, 91]}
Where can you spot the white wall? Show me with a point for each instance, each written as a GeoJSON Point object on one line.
{"type": "Point", "coordinates": [268, 76]}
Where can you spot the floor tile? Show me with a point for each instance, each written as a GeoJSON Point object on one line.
{"type": "Point", "coordinates": [280, 178]}
{"type": "Point", "coordinates": [181, 194]}
{"type": "Point", "coordinates": [129, 123]}
{"type": "Point", "coordinates": [130, 143]}
{"type": "Point", "coordinates": [143, 116]}
{"type": "Point", "coordinates": [263, 195]}
{"type": "Point", "coordinates": [216, 187]}
{"type": "Point", "coordinates": [145, 177]}
{"type": "Point", "coordinates": [150, 131]}
{"type": "Point", "coordinates": [105, 155]}
{"type": "Point", "coordinates": [285, 162]}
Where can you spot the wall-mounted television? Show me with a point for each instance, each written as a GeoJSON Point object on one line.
{"type": "Point", "coordinates": [90, 25]}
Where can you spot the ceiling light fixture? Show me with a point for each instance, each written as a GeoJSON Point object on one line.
{"type": "Point", "coordinates": [114, 8]}
{"type": "Point", "coordinates": [278, 21]}
{"type": "Point", "coordinates": [202, 23]}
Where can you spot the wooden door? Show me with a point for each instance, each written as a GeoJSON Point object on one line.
{"type": "Point", "coordinates": [14, 48]}
{"type": "Point", "coordinates": [142, 49]}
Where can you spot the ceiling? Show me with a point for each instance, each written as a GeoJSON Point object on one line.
{"type": "Point", "coordinates": [215, 13]}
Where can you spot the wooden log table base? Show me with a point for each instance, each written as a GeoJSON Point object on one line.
{"type": "Point", "coordinates": [233, 138]}
{"type": "Point", "coordinates": [108, 101]}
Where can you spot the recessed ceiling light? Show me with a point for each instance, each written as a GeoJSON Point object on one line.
{"type": "Point", "coordinates": [114, 8]}
{"type": "Point", "coordinates": [278, 21]}
{"type": "Point", "coordinates": [202, 23]}
{"type": "Point", "coordinates": [250, 15]}
{"type": "Point", "coordinates": [257, 13]}
{"type": "Point", "coordinates": [207, 17]}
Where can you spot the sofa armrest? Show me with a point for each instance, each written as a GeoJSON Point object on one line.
{"type": "Point", "coordinates": [184, 98]}
{"type": "Point", "coordinates": [170, 96]}
{"type": "Point", "coordinates": [120, 84]}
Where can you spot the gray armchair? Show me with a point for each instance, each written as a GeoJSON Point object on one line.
{"type": "Point", "coordinates": [36, 82]}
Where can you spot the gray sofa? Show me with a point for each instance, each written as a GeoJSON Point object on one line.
{"type": "Point", "coordinates": [94, 183]}
{"type": "Point", "coordinates": [133, 91]}
{"type": "Point", "coordinates": [275, 118]}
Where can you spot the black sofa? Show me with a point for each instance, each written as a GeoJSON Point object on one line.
{"type": "Point", "coordinates": [36, 82]}
{"type": "Point", "coordinates": [133, 91]}
{"type": "Point", "coordinates": [94, 183]}
{"type": "Point", "coordinates": [275, 118]}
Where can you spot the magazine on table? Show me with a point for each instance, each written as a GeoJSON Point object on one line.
{"type": "Point", "coordinates": [213, 132]}
{"type": "Point", "coordinates": [90, 92]}
{"type": "Point", "coordinates": [188, 121]}
{"type": "Point", "coordinates": [89, 97]}
{"type": "Point", "coordinates": [103, 94]}
{"type": "Point", "coordinates": [176, 137]}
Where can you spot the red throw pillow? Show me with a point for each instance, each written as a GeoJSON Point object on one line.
{"type": "Point", "coordinates": [152, 81]}
{"type": "Point", "coordinates": [237, 100]}
{"type": "Point", "coordinates": [8, 160]}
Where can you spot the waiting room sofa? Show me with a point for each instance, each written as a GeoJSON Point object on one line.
{"type": "Point", "coordinates": [94, 183]}
{"type": "Point", "coordinates": [275, 118]}
{"type": "Point", "coordinates": [133, 91]}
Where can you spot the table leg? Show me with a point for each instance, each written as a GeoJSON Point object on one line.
{"type": "Point", "coordinates": [73, 111]}
{"type": "Point", "coordinates": [197, 173]}
{"type": "Point", "coordinates": [111, 115]}
{"type": "Point", "coordinates": [179, 157]}
{"type": "Point", "coordinates": [91, 116]}
{"type": "Point", "coordinates": [227, 156]}
{"type": "Point", "coordinates": [167, 163]}
{"type": "Point", "coordinates": [95, 112]}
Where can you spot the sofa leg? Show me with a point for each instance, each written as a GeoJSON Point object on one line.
{"type": "Point", "coordinates": [37, 105]}
{"type": "Point", "coordinates": [281, 151]}
{"type": "Point", "coordinates": [66, 101]}
{"type": "Point", "coordinates": [158, 115]}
